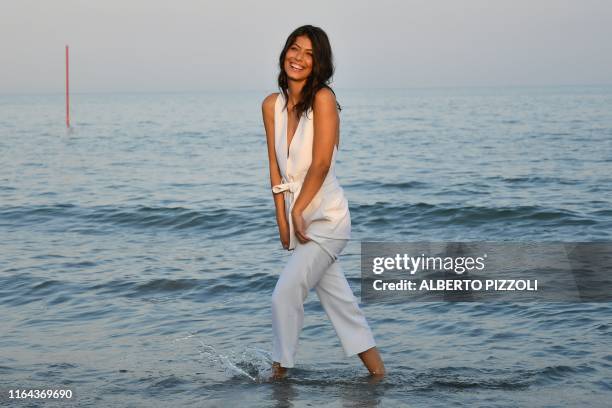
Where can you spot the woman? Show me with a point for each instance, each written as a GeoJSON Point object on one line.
{"type": "Point", "coordinates": [302, 129]}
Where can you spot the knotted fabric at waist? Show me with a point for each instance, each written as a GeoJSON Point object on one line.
{"type": "Point", "coordinates": [291, 190]}
{"type": "Point", "coordinates": [292, 186]}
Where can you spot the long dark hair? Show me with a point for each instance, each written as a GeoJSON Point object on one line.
{"type": "Point", "coordinates": [322, 67]}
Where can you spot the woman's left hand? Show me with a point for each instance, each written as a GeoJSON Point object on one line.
{"type": "Point", "coordinates": [299, 227]}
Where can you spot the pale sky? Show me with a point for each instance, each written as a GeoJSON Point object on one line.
{"type": "Point", "coordinates": [189, 45]}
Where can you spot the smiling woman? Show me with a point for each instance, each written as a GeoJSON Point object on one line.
{"type": "Point", "coordinates": [299, 58]}
{"type": "Point", "coordinates": [303, 132]}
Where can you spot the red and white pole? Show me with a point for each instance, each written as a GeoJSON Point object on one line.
{"type": "Point", "coordinates": [67, 93]}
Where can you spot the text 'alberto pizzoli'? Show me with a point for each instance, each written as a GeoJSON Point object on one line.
{"type": "Point", "coordinates": [459, 265]}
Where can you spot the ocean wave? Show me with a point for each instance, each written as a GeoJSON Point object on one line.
{"type": "Point", "coordinates": [144, 217]}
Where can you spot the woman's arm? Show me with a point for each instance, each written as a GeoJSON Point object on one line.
{"type": "Point", "coordinates": [326, 121]}
{"type": "Point", "coordinates": [267, 109]}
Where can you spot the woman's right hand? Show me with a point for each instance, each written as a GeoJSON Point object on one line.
{"type": "Point", "coordinates": [283, 229]}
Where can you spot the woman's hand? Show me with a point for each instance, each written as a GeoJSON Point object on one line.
{"type": "Point", "coordinates": [299, 226]}
{"type": "Point", "coordinates": [283, 230]}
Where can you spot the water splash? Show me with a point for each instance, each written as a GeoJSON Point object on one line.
{"type": "Point", "coordinates": [250, 362]}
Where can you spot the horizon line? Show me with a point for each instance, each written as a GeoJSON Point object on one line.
{"type": "Point", "coordinates": [215, 90]}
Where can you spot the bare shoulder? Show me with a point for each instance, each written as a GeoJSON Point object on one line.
{"type": "Point", "coordinates": [324, 99]}
{"type": "Point", "coordinates": [267, 106]}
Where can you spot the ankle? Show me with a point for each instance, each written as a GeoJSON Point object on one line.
{"type": "Point", "coordinates": [278, 372]}
{"type": "Point", "coordinates": [378, 371]}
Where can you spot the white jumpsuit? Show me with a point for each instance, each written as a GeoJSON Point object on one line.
{"type": "Point", "coordinates": [314, 264]}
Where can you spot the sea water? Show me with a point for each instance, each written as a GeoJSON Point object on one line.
{"type": "Point", "coordinates": [140, 248]}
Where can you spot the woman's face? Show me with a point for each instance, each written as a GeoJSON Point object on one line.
{"type": "Point", "coordinates": [298, 59]}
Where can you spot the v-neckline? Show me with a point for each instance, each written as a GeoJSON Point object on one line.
{"type": "Point", "coordinates": [287, 141]}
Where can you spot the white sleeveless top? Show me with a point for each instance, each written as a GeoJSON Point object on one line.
{"type": "Point", "coordinates": [327, 215]}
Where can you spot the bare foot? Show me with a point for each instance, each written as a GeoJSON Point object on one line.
{"type": "Point", "coordinates": [278, 372]}
{"type": "Point", "coordinates": [374, 379]}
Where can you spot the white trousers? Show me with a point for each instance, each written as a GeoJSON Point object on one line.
{"type": "Point", "coordinates": [315, 265]}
